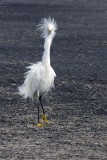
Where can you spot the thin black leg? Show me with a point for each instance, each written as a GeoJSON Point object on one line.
{"type": "Point", "coordinates": [38, 113]}
{"type": "Point", "coordinates": [40, 100]}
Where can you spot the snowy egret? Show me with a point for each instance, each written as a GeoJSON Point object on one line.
{"type": "Point", "coordinates": [40, 77]}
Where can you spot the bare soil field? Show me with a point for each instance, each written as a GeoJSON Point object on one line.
{"type": "Point", "coordinates": [77, 107]}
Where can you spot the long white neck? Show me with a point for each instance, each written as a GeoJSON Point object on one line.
{"type": "Point", "coordinates": [46, 53]}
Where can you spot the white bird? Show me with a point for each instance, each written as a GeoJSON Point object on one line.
{"type": "Point", "coordinates": [40, 77]}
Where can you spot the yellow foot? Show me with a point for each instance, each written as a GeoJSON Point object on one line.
{"type": "Point", "coordinates": [44, 118]}
{"type": "Point", "coordinates": [40, 125]}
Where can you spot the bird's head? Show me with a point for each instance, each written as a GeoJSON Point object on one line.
{"type": "Point", "coordinates": [50, 27]}
{"type": "Point", "coordinates": [47, 26]}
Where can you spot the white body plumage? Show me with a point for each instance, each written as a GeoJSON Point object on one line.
{"type": "Point", "coordinates": [40, 77]}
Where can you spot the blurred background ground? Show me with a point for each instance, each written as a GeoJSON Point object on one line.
{"type": "Point", "coordinates": [77, 108]}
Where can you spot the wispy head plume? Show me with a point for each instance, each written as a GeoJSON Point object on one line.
{"type": "Point", "coordinates": [46, 26]}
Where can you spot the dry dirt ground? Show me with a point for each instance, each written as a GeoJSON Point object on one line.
{"type": "Point", "coordinates": [77, 108]}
